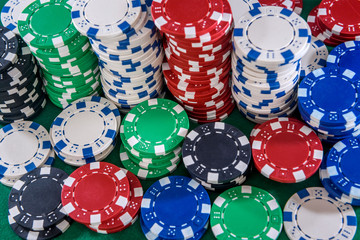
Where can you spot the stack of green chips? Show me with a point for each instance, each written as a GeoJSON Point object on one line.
{"type": "Point", "coordinates": [69, 67]}
{"type": "Point", "coordinates": [152, 134]}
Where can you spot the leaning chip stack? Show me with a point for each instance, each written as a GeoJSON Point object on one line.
{"type": "Point", "coordinates": [266, 69]}
{"type": "Point", "coordinates": [335, 21]}
{"type": "Point", "coordinates": [286, 150]}
{"type": "Point", "coordinates": [85, 131]}
{"type": "Point", "coordinates": [68, 64]}
{"type": "Point", "coordinates": [312, 209]}
{"type": "Point", "coordinates": [197, 47]}
{"type": "Point", "coordinates": [35, 208]}
{"type": "Point", "coordinates": [24, 146]}
{"type": "Point", "coordinates": [128, 46]}
{"type": "Point", "coordinates": [217, 155]}
{"type": "Point", "coordinates": [338, 172]}
{"type": "Point", "coordinates": [329, 103]}
{"type": "Point", "coordinates": [246, 212]}
{"type": "Point", "coordinates": [151, 135]}
{"type": "Point", "coordinates": [175, 207]}
{"type": "Point", "coordinates": [22, 95]}
{"type": "Point", "coordinates": [118, 197]}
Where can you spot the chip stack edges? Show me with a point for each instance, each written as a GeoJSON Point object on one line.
{"type": "Point", "coordinates": [22, 95]}
{"type": "Point", "coordinates": [35, 209]}
{"type": "Point", "coordinates": [175, 207]}
{"type": "Point", "coordinates": [68, 64]}
{"type": "Point", "coordinates": [329, 103]}
{"type": "Point", "coordinates": [335, 21]}
{"type": "Point", "coordinates": [266, 69]}
{"type": "Point", "coordinates": [36, 151]}
{"type": "Point", "coordinates": [246, 212]}
{"type": "Point", "coordinates": [293, 5]}
{"type": "Point", "coordinates": [151, 135]}
{"type": "Point", "coordinates": [217, 155]}
{"type": "Point", "coordinates": [197, 47]}
{"type": "Point", "coordinates": [286, 150]}
{"type": "Point", "coordinates": [118, 197]}
{"type": "Point", "coordinates": [85, 131]}
{"type": "Point", "coordinates": [128, 46]}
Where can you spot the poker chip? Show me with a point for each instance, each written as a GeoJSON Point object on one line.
{"type": "Point", "coordinates": [265, 67]}
{"type": "Point", "coordinates": [238, 8]}
{"type": "Point", "coordinates": [21, 90]}
{"type": "Point", "coordinates": [315, 57]}
{"type": "Point", "coordinates": [288, 4]}
{"type": "Point", "coordinates": [246, 212]}
{"type": "Point", "coordinates": [69, 68]}
{"type": "Point", "coordinates": [146, 151]}
{"type": "Point", "coordinates": [129, 215]}
{"type": "Point", "coordinates": [31, 216]}
{"type": "Point", "coordinates": [287, 139]}
{"type": "Point", "coordinates": [334, 117]}
{"type": "Point", "coordinates": [197, 50]}
{"type": "Point", "coordinates": [34, 142]}
{"type": "Point", "coordinates": [331, 188]}
{"type": "Point", "coordinates": [341, 165]}
{"type": "Point", "coordinates": [331, 24]}
{"type": "Point", "coordinates": [101, 179]}
{"type": "Point", "coordinates": [312, 209]}
{"type": "Point", "coordinates": [77, 143]}
{"type": "Point", "coordinates": [160, 218]}
{"type": "Point", "coordinates": [216, 153]}
{"type": "Point", "coordinates": [345, 55]}
{"type": "Point", "coordinates": [128, 48]}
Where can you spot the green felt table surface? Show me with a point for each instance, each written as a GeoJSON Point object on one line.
{"type": "Point", "coordinates": [282, 192]}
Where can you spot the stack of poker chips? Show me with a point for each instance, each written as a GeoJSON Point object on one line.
{"type": "Point", "coordinates": [338, 167]}
{"type": "Point", "coordinates": [85, 131]}
{"type": "Point", "coordinates": [335, 21]}
{"type": "Point", "coordinates": [197, 49]}
{"type": "Point", "coordinates": [24, 146]}
{"type": "Point", "coordinates": [69, 66]}
{"type": "Point", "coordinates": [266, 66]}
{"type": "Point", "coordinates": [151, 135]}
{"type": "Point", "coordinates": [31, 214]}
{"type": "Point", "coordinates": [217, 155]}
{"type": "Point", "coordinates": [286, 150]}
{"type": "Point", "coordinates": [328, 103]}
{"type": "Point", "coordinates": [128, 46]}
{"type": "Point", "coordinates": [293, 5]}
{"type": "Point", "coordinates": [161, 217]}
{"type": "Point", "coordinates": [119, 195]}
{"type": "Point", "coordinates": [21, 91]}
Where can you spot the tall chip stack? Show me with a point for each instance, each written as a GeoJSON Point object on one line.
{"type": "Point", "coordinates": [128, 46]}
{"type": "Point", "coordinates": [335, 21]}
{"type": "Point", "coordinates": [268, 47]}
{"type": "Point", "coordinates": [69, 66]}
{"type": "Point", "coordinates": [22, 95]}
{"type": "Point", "coordinates": [151, 136]}
{"type": "Point", "coordinates": [197, 47]}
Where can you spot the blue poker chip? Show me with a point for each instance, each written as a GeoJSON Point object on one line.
{"type": "Point", "coordinates": [160, 204]}
{"type": "Point", "coordinates": [331, 188]}
{"type": "Point", "coordinates": [216, 152]}
{"type": "Point", "coordinates": [27, 203]}
{"type": "Point", "coordinates": [330, 96]}
{"type": "Point", "coordinates": [346, 55]}
{"type": "Point", "coordinates": [342, 166]}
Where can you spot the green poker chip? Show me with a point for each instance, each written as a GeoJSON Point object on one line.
{"type": "Point", "coordinates": [156, 126]}
{"type": "Point", "coordinates": [143, 173]}
{"type": "Point", "coordinates": [246, 212]}
{"type": "Point", "coordinates": [48, 24]}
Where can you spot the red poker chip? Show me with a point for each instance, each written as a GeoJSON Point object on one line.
{"type": "Point", "coordinates": [288, 4]}
{"type": "Point", "coordinates": [114, 230]}
{"type": "Point", "coordinates": [342, 17]}
{"type": "Point", "coordinates": [226, 98]}
{"type": "Point", "coordinates": [213, 114]}
{"type": "Point", "coordinates": [126, 217]}
{"type": "Point", "coordinates": [287, 151]}
{"type": "Point", "coordinates": [218, 119]}
{"type": "Point", "coordinates": [181, 18]}
{"type": "Point", "coordinates": [331, 35]}
{"type": "Point", "coordinates": [298, 6]}
{"type": "Point", "coordinates": [95, 193]}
